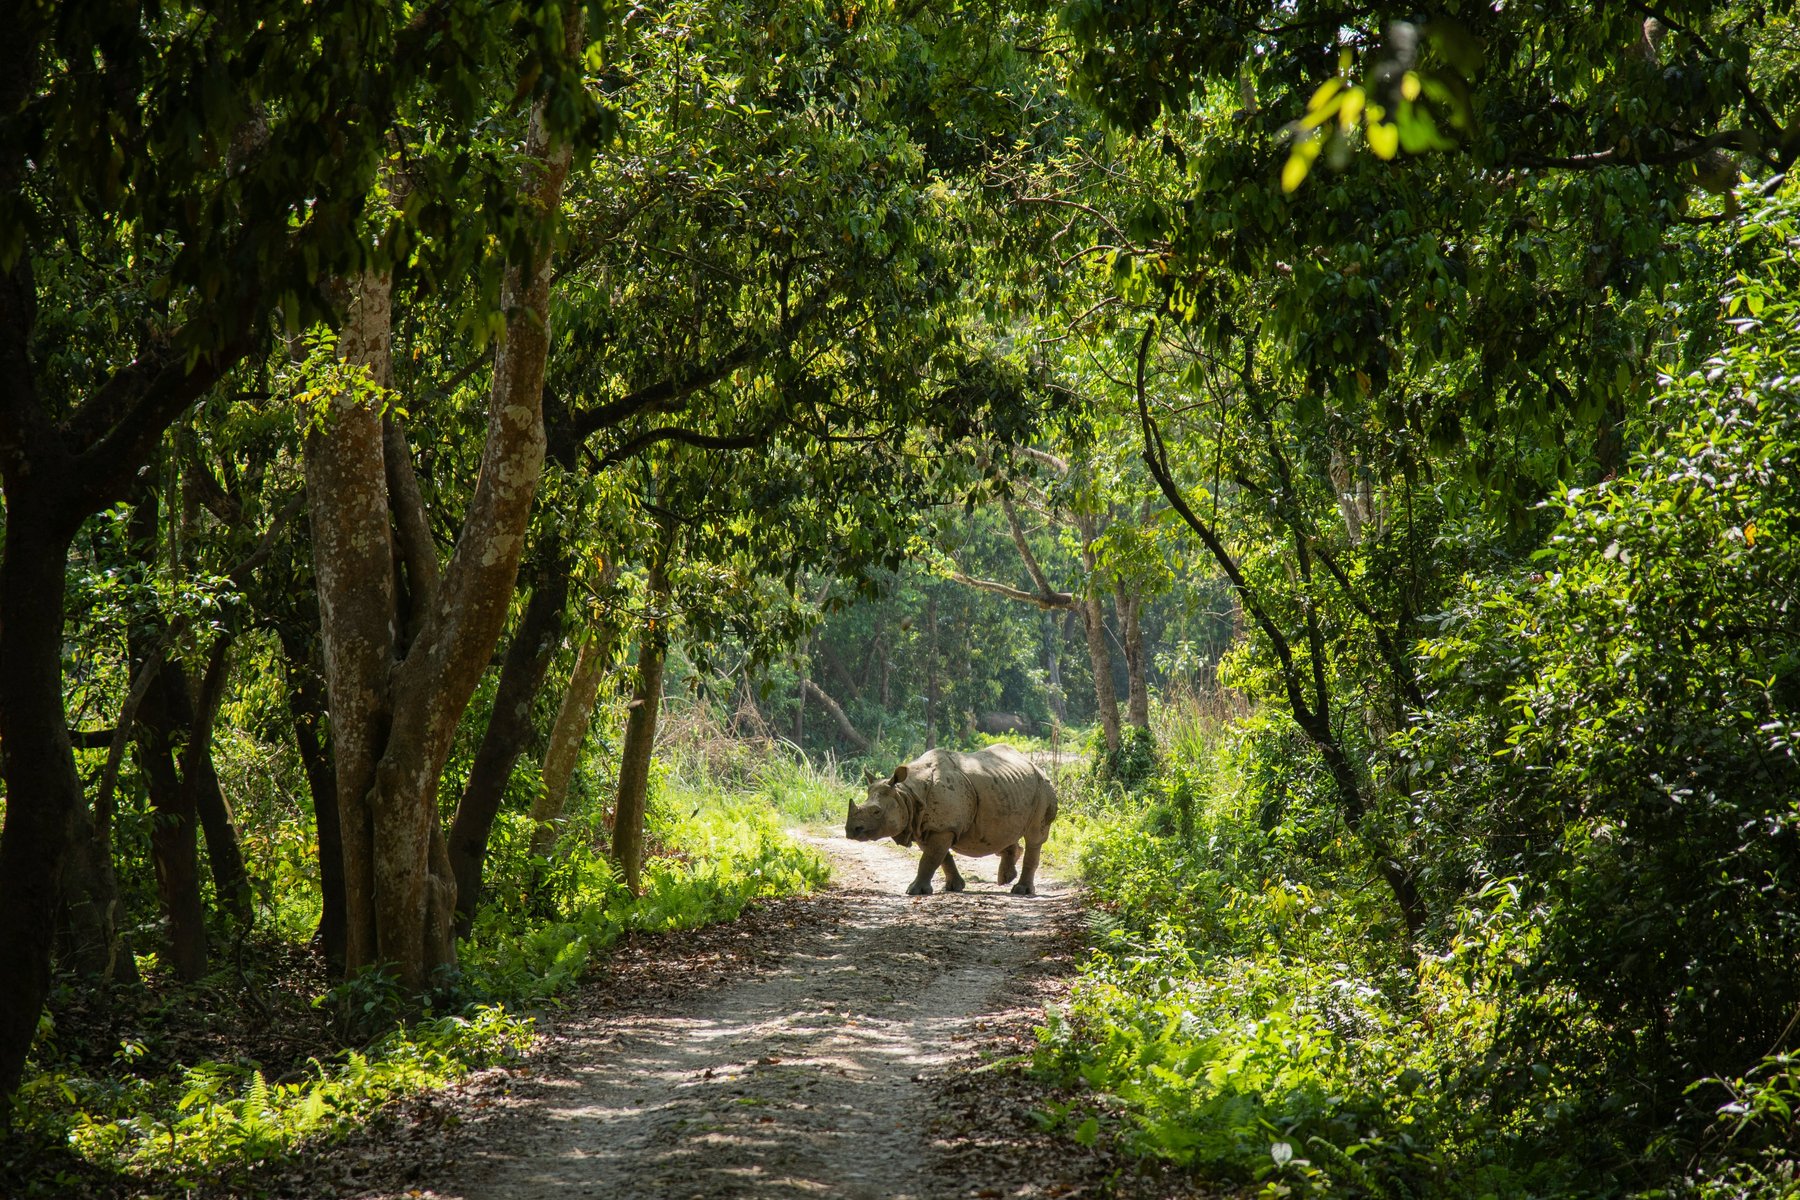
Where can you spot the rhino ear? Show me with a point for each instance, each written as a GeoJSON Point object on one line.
{"type": "Point", "coordinates": [899, 774]}
{"type": "Point", "coordinates": [868, 776]}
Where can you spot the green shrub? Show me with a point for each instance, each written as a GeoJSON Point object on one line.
{"type": "Point", "coordinates": [732, 852]}
{"type": "Point", "coordinates": [1215, 1030]}
{"type": "Point", "coordinates": [1614, 728]}
{"type": "Point", "coordinates": [217, 1117]}
{"type": "Point", "coordinates": [1600, 796]}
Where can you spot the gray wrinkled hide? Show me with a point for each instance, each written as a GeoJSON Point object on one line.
{"type": "Point", "coordinates": [988, 802]}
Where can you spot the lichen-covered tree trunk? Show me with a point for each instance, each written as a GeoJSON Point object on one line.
{"type": "Point", "coordinates": [640, 733]}
{"type": "Point", "coordinates": [394, 712]}
{"type": "Point", "coordinates": [353, 566]}
{"type": "Point", "coordinates": [567, 736]}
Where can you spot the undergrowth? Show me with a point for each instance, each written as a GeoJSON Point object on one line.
{"type": "Point", "coordinates": [1249, 1013]}
{"type": "Point", "coordinates": [719, 854]}
{"type": "Point", "coordinates": [218, 1119]}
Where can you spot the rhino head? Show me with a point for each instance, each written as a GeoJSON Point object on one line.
{"type": "Point", "coordinates": [884, 814]}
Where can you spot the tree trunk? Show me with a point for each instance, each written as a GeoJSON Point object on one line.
{"type": "Point", "coordinates": [1400, 880]}
{"type": "Point", "coordinates": [1106, 697]}
{"type": "Point", "coordinates": [509, 725]}
{"type": "Point", "coordinates": [224, 851]}
{"type": "Point", "coordinates": [306, 704]}
{"type": "Point", "coordinates": [1129, 606]}
{"type": "Point", "coordinates": [837, 714]}
{"type": "Point", "coordinates": [886, 663]}
{"type": "Point", "coordinates": [566, 738]}
{"type": "Point", "coordinates": [393, 723]}
{"type": "Point", "coordinates": [353, 565]}
{"type": "Point", "coordinates": [55, 476]}
{"type": "Point", "coordinates": [164, 719]}
{"type": "Point", "coordinates": [224, 848]}
{"type": "Point", "coordinates": [931, 673]}
{"type": "Point", "coordinates": [44, 802]}
{"type": "Point", "coordinates": [836, 666]}
{"type": "Point", "coordinates": [1058, 701]}
{"type": "Point", "coordinates": [90, 941]}
{"type": "Point", "coordinates": [164, 722]}
{"type": "Point", "coordinates": [640, 733]}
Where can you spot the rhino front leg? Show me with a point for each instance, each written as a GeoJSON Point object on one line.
{"type": "Point", "coordinates": [953, 880]}
{"type": "Point", "coordinates": [1009, 864]}
{"type": "Point", "coordinates": [936, 848]}
{"type": "Point", "coordinates": [1028, 870]}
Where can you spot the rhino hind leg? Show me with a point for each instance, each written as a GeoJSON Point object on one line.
{"type": "Point", "coordinates": [953, 880]}
{"type": "Point", "coordinates": [1009, 864]}
{"type": "Point", "coordinates": [1028, 871]}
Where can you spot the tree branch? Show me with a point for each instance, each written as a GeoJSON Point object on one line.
{"type": "Point", "coordinates": [1046, 599]}
{"type": "Point", "coordinates": [1018, 536]}
{"type": "Point", "coordinates": [667, 392]}
{"type": "Point", "coordinates": [412, 528]}
{"type": "Point", "coordinates": [837, 714]}
{"type": "Point", "coordinates": [1156, 458]}
{"type": "Point", "coordinates": [662, 393]}
{"type": "Point", "coordinates": [687, 437]}
{"type": "Point", "coordinates": [1727, 139]}
{"type": "Point", "coordinates": [145, 403]}
{"type": "Point", "coordinates": [1043, 458]}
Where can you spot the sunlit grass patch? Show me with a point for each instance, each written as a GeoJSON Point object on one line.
{"type": "Point", "coordinates": [712, 856]}
{"type": "Point", "coordinates": [217, 1119]}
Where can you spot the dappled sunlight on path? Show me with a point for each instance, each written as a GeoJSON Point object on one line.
{"type": "Point", "coordinates": [803, 1080]}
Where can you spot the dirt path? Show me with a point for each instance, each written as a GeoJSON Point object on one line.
{"type": "Point", "coordinates": [805, 1079]}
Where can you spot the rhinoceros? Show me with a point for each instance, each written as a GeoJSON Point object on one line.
{"type": "Point", "coordinates": [988, 802]}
